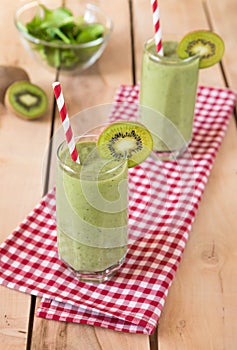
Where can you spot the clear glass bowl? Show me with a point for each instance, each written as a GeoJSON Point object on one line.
{"type": "Point", "coordinates": [70, 58]}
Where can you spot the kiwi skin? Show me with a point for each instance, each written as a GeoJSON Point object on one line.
{"type": "Point", "coordinates": [25, 87]}
{"type": "Point", "coordinates": [8, 75]}
{"type": "Point", "coordinates": [202, 40]}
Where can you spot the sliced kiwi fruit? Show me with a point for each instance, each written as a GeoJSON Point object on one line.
{"type": "Point", "coordinates": [26, 100]}
{"type": "Point", "coordinates": [125, 140]}
{"type": "Point", "coordinates": [208, 45]}
{"type": "Point", "coordinates": [8, 75]}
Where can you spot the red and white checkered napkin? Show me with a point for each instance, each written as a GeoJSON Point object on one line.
{"type": "Point", "coordinates": [164, 198]}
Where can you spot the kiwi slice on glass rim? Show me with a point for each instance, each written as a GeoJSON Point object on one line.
{"type": "Point", "coordinates": [125, 140]}
{"type": "Point", "coordinates": [207, 44]}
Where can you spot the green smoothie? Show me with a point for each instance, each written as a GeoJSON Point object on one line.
{"type": "Point", "coordinates": [91, 209]}
{"type": "Point", "coordinates": [168, 86]}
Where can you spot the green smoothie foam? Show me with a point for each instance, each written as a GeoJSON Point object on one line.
{"type": "Point", "coordinates": [91, 207]}
{"type": "Point", "coordinates": [168, 85]}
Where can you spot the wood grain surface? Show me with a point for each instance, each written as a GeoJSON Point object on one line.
{"type": "Point", "coordinates": [201, 308]}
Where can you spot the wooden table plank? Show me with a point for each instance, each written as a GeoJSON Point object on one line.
{"type": "Point", "coordinates": [60, 335]}
{"type": "Point", "coordinates": [95, 86]}
{"type": "Point", "coordinates": [200, 310]}
{"type": "Point", "coordinates": [223, 18]}
{"type": "Point", "coordinates": [22, 147]}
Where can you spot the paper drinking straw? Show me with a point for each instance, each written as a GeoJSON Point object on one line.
{"type": "Point", "coordinates": [157, 27]}
{"type": "Point", "coordinates": [65, 121]}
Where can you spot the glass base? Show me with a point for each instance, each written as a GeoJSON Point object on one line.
{"type": "Point", "coordinates": [96, 276]}
{"type": "Point", "coordinates": [168, 154]}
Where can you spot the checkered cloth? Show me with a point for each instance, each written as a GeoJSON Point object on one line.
{"type": "Point", "coordinates": [164, 198]}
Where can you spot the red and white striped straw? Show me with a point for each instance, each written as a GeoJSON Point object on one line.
{"type": "Point", "coordinates": [157, 27]}
{"type": "Point", "coordinates": [65, 121]}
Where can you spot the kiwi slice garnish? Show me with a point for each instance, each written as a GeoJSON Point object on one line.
{"type": "Point", "coordinates": [125, 140]}
{"type": "Point", "coordinates": [208, 45]}
{"type": "Point", "coordinates": [26, 100]}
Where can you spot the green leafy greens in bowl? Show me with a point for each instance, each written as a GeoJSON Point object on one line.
{"type": "Point", "coordinates": [61, 39]}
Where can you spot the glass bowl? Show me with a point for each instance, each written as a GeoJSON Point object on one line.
{"type": "Point", "coordinates": [57, 52]}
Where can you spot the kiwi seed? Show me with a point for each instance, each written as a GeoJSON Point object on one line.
{"type": "Point", "coordinates": [26, 100]}
{"type": "Point", "coordinates": [125, 140]}
{"type": "Point", "coordinates": [208, 45]}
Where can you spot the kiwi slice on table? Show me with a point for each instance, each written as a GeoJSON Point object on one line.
{"type": "Point", "coordinates": [208, 45]}
{"type": "Point", "coordinates": [125, 140]}
{"type": "Point", "coordinates": [26, 100]}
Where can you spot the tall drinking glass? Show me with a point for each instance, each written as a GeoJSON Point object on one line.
{"type": "Point", "coordinates": [168, 94]}
{"type": "Point", "coordinates": [91, 211]}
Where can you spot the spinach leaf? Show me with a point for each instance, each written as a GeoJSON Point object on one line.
{"type": "Point", "coordinates": [59, 27]}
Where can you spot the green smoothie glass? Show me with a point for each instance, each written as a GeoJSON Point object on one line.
{"type": "Point", "coordinates": [167, 97]}
{"type": "Point", "coordinates": [91, 211]}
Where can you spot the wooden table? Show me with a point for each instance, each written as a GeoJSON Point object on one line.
{"type": "Point", "coordinates": [201, 309]}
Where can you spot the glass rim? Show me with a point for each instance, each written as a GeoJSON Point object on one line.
{"type": "Point", "coordinates": [76, 171]}
{"type": "Point", "coordinates": [172, 61]}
